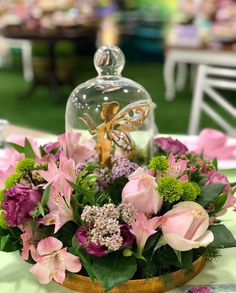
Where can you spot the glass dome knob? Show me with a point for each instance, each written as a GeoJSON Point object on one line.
{"type": "Point", "coordinates": [109, 60]}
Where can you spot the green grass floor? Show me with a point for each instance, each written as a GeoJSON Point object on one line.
{"type": "Point", "coordinates": [41, 112]}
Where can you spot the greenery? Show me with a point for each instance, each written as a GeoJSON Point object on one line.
{"type": "Point", "coordinates": [29, 112]}
{"type": "Point", "coordinates": [115, 240]}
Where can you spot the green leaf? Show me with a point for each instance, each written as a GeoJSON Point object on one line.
{"type": "Point", "coordinates": [41, 210]}
{"type": "Point", "coordinates": [178, 254]}
{"type": "Point", "coordinates": [203, 179]}
{"type": "Point", "coordinates": [10, 239]}
{"type": "Point", "coordinates": [4, 240]}
{"type": "Point", "coordinates": [187, 259]}
{"type": "Point", "coordinates": [54, 151]}
{"type": "Point", "coordinates": [215, 163]}
{"type": "Point", "coordinates": [139, 255]}
{"type": "Point", "coordinates": [223, 238]}
{"type": "Point", "coordinates": [32, 225]}
{"type": "Point", "coordinates": [151, 242]}
{"type": "Point", "coordinates": [209, 192]}
{"type": "Point", "coordinates": [165, 258]}
{"type": "Point", "coordinates": [76, 208]}
{"type": "Point", "coordinates": [113, 270]}
{"type": "Point", "coordinates": [45, 196]}
{"type": "Point", "coordinates": [161, 242]}
{"type": "Point", "coordinates": [91, 167]}
{"type": "Point", "coordinates": [29, 152]}
{"type": "Point", "coordinates": [234, 189]}
{"type": "Point", "coordinates": [17, 147]}
{"type": "Point", "coordinates": [85, 259]}
{"type": "Point", "coordinates": [88, 194]}
{"type": "Point", "coordinates": [218, 203]}
{"type": "Point", "coordinates": [42, 151]}
{"type": "Point", "coordinates": [80, 189]}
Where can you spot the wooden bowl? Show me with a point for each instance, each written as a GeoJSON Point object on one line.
{"type": "Point", "coordinates": [153, 285]}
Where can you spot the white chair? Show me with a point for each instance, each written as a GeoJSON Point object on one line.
{"type": "Point", "coordinates": [26, 51]}
{"type": "Point", "coordinates": [209, 79]}
{"type": "Point", "coordinates": [4, 53]}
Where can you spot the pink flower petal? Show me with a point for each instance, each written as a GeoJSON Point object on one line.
{"type": "Point", "coordinates": [49, 245]}
{"type": "Point", "coordinates": [72, 262]}
{"type": "Point", "coordinates": [181, 244]}
{"type": "Point", "coordinates": [143, 227]}
{"type": "Point", "coordinates": [60, 275]}
{"type": "Point", "coordinates": [42, 273]}
{"type": "Point", "coordinates": [206, 238]}
{"type": "Point", "coordinates": [141, 193]}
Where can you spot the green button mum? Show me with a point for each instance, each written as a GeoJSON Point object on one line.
{"type": "Point", "coordinates": [170, 188]}
{"type": "Point", "coordinates": [3, 223]}
{"type": "Point", "coordinates": [13, 179]}
{"type": "Point", "coordinates": [25, 165]}
{"type": "Point", "coordinates": [191, 190]}
{"type": "Point", "coordinates": [2, 194]}
{"type": "Point", "coordinates": [159, 163]}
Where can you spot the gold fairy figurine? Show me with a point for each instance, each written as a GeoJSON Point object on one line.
{"type": "Point", "coordinates": [116, 127]}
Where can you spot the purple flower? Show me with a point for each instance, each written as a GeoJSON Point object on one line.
{"type": "Point", "coordinates": [89, 247]}
{"type": "Point", "coordinates": [18, 202]}
{"type": "Point", "coordinates": [104, 177]}
{"type": "Point", "coordinates": [48, 147]}
{"type": "Point", "coordinates": [123, 168]}
{"type": "Point", "coordinates": [201, 289]}
{"type": "Point", "coordinates": [128, 237]}
{"type": "Point", "coordinates": [214, 177]}
{"type": "Point", "coordinates": [168, 144]}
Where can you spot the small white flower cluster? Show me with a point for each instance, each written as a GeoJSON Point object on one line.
{"type": "Point", "coordinates": [127, 212]}
{"type": "Point", "coordinates": [103, 223]}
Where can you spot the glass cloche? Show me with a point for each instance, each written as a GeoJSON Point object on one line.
{"type": "Point", "coordinates": [114, 111]}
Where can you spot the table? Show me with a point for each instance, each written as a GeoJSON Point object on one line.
{"type": "Point", "coordinates": [194, 56]}
{"type": "Point", "coordinates": [20, 130]}
{"type": "Point", "coordinates": [15, 277]}
{"type": "Point", "coordinates": [50, 38]}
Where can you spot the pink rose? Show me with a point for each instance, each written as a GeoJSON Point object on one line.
{"type": "Point", "coordinates": [214, 177]}
{"type": "Point", "coordinates": [185, 226]}
{"type": "Point", "coordinates": [141, 192]}
{"type": "Point", "coordinates": [168, 144]}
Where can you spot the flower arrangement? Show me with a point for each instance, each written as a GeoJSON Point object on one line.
{"type": "Point", "coordinates": [139, 219]}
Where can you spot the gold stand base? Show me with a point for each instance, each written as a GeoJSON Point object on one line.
{"type": "Point", "coordinates": [154, 285]}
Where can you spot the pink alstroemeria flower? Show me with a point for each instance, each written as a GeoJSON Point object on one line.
{"type": "Point", "coordinates": [8, 160]}
{"type": "Point", "coordinates": [59, 205]}
{"type": "Point", "coordinates": [142, 228]}
{"type": "Point", "coordinates": [60, 192]}
{"type": "Point", "coordinates": [176, 169]}
{"type": "Point", "coordinates": [28, 239]}
{"type": "Point", "coordinates": [79, 152]}
{"type": "Point", "coordinates": [52, 261]}
{"type": "Point", "coordinates": [66, 168]}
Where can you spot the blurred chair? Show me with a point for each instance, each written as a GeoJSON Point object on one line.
{"type": "Point", "coordinates": [5, 59]}
{"type": "Point", "coordinates": [209, 80]}
{"type": "Point", "coordinates": [26, 52]}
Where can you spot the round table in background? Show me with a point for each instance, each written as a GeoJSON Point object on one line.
{"type": "Point", "coordinates": [50, 38]}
